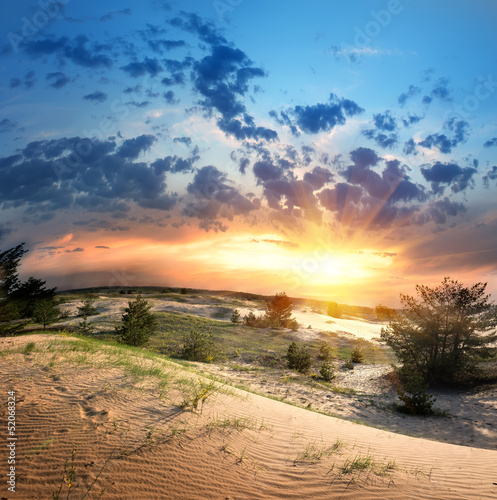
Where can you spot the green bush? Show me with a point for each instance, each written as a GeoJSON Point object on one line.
{"type": "Point", "coordinates": [88, 309]}
{"type": "Point", "coordinates": [324, 352]}
{"type": "Point", "coordinates": [327, 371]}
{"type": "Point", "coordinates": [412, 393]}
{"type": "Point", "coordinates": [357, 356]}
{"type": "Point", "coordinates": [334, 310]}
{"type": "Point", "coordinates": [198, 346]}
{"type": "Point", "coordinates": [299, 358]}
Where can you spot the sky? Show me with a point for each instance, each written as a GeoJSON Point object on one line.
{"type": "Point", "coordinates": [342, 151]}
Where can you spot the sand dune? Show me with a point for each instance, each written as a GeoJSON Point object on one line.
{"type": "Point", "coordinates": [134, 441]}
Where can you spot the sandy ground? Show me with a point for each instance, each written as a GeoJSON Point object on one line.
{"type": "Point", "coordinates": [134, 443]}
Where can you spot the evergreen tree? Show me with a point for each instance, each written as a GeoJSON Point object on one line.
{"type": "Point", "coordinates": [46, 312]}
{"type": "Point", "coordinates": [279, 310]}
{"type": "Point", "coordinates": [138, 323]}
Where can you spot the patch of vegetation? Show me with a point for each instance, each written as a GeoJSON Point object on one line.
{"type": "Point", "coordinates": [299, 358]}
{"type": "Point", "coordinates": [357, 356]}
{"type": "Point", "coordinates": [198, 346]}
{"type": "Point", "coordinates": [138, 323]}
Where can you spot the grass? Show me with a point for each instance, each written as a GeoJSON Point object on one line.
{"type": "Point", "coordinates": [314, 453]}
{"type": "Point", "coordinates": [361, 463]}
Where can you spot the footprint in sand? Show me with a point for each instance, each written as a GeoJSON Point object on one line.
{"type": "Point", "coordinates": [87, 412]}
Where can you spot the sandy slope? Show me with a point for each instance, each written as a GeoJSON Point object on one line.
{"type": "Point", "coordinates": [241, 446]}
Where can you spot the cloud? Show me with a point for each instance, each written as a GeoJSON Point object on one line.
{"type": "Point", "coordinates": [385, 121]}
{"type": "Point", "coordinates": [111, 15]}
{"type": "Point", "coordinates": [318, 177]}
{"type": "Point", "coordinates": [205, 30]}
{"type": "Point", "coordinates": [491, 175]}
{"type": "Point", "coordinates": [103, 247]}
{"type": "Point", "coordinates": [175, 164]}
{"type": "Point", "coordinates": [215, 198]}
{"type": "Point", "coordinates": [7, 125]}
{"type": "Point", "coordinates": [392, 186]}
{"type": "Point", "coordinates": [267, 170]}
{"type": "Point", "coordinates": [29, 79]}
{"type": "Point", "coordinates": [449, 174]}
{"type": "Point", "coordinates": [15, 82]}
{"type": "Point", "coordinates": [439, 210]}
{"type": "Point", "coordinates": [148, 66]}
{"type": "Point", "coordinates": [490, 143]}
{"type": "Point", "coordinates": [97, 96]}
{"type": "Point", "coordinates": [76, 50]}
{"type": "Point", "coordinates": [444, 143]}
{"type": "Point", "coordinates": [410, 147]}
{"type": "Point", "coordinates": [48, 176]}
{"type": "Point", "coordinates": [413, 91]}
{"type": "Point", "coordinates": [57, 79]}
{"type": "Point", "coordinates": [184, 140]}
{"type": "Point", "coordinates": [169, 97]}
{"type": "Point", "coordinates": [441, 91]}
{"type": "Point", "coordinates": [159, 46]}
{"type": "Point", "coordinates": [321, 117]}
{"type": "Point", "coordinates": [79, 249]}
{"type": "Point", "coordinates": [411, 120]}
{"type": "Point", "coordinates": [132, 148]}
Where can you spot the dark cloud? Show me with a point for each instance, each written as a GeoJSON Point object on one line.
{"type": "Point", "coordinates": [266, 170]}
{"type": "Point", "coordinates": [77, 50]}
{"type": "Point", "coordinates": [392, 186]}
{"type": "Point", "coordinates": [111, 15]}
{"type": "Point", "coordinates": [103, 247]}
{"type": "Point", "coordinates": [175, 164]}
{"type": "Point", "coordinates": [339, 197]}
{"type": "Point", "coordinates": [442, 142]}
{"type": "Point", "coordinates": [29, 79]}
{"type": "Point", "coordinates": [15, 82]}
{"type": "Point", "coordinates": [490, 143]}
{"type": "Point", "coordinates": [243, 165]}
{"type": "Point", "coordinates": [318, 177]}
{"type": "Point", "coordinates": [183, 140]}
{"type": "Point", "coordinates": [410, 147]}
{"type": "Point", "coordinates": [148, 66]}
{"type": "Point", "coordinates": [169, 97]}
{"type": "Point", "coordinates": [448, 174]}
{"type": "Point", "coordinates": [133, 148]}
{"type": "Point", "coordinates": [383, 140]}
{"type": "Point", "coordinates": [138, 104]}
{"type": "Point", "coordinates": [205, 30]}
{"type": "Point", "coordinates": [79, 249]}
{"type": "Point", "coordinates": [413, 90]}
{"type": "Point", "coordinates": [57, 80]}
{"type": "Point", "coordinates": [49, 176]}
{"type": "Point", "coordinates": [7, 125]}
{"type": "Point", "coordinates": [385, 121]}
{"type": "Point", "coordinates": [321, 117]}
{"type": "Point", "coordinates": [159, 46]}
{"type": "Point", "coordinates": [97, 96]}
{"type": "Point", "coordinates": [214, 198]}
{"type": "Point", "coordinates": [411, 120]}
{"type": "Point", "coordinates": [439, 210]}
{"type": "Point", "coordinates": [440, 90]}
{"type": "Point", "coordinates": [491, 175]}
{"type": "Point", "coordinates": [237, 129]}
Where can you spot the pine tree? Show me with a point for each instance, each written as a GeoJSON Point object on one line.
{"type": "Point", "coordinates": [279, 310]}
{"type": "Point", "coordinates": [46, 312]}
{"type": "Point", "coordinates": [138, 323]}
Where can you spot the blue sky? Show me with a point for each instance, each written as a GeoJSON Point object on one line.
{"type": "Point", "coordinates": [329, 150]}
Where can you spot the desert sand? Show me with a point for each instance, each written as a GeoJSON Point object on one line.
{"type": "Point", "coordinates": [133, 440]}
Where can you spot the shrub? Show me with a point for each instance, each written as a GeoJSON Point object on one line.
{"type": "Point", "coordinates": [250, 319]}
{"type": "Point", "coordinates": [384, 312]}
{"type": "Point", "coordinates": [327, 371]}
{"type": "Point", "coordinates": [334, 310]}
{"type": "Point", "coordinates": [324, 352]}
{"type": "Point", "coordinates": [184, 291]}
{"type": "Point", "coordinates": [138, 323]}
{"type": "Point", "coordinates": [198, 346]}
{"type": "Point", "coordinates": [357, 355]}
{"type": "Point", "coordinates": [88, 309]}
{"type": "Point", "coordinates": [349, 365]}
{"type": "Point", "coordinates": [412, 393]}
{"type": "Point", "coordinates": [299, 358]}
